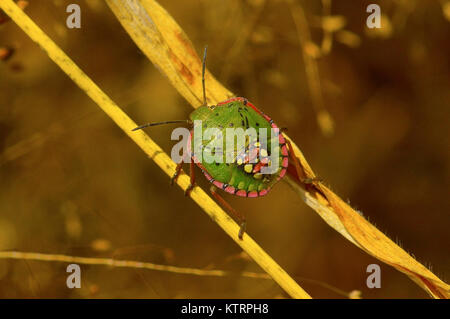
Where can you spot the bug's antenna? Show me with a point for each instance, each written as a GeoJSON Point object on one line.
{"type": "Point", "coordinates": [160, 123]}
{"type": "Point", "coordinates": [203, 75]}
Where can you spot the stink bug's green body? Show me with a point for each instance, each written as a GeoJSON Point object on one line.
{"type": "Point", "coordinates": [245, 174]}
{"type": "Point", "coordinates": [241, 177]}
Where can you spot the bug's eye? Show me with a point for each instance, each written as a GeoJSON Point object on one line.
{"type": "Point", "coordinates": [212, 107]}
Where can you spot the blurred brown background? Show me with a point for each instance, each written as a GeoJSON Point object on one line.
{"type": "Point", "coordinates": [72, 183]}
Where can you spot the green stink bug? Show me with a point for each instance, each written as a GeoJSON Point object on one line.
{"type": "Point", "coordinates": [244, 174]}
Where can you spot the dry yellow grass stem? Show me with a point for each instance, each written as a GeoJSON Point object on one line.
{"type": "Point", "coordinates": [126, 264]}
{"type": "Point", "coordinates": [167, 46]}
{"type": "Point", "coordinates": [150, 147]}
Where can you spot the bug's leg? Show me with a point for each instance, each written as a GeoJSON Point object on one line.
{"type": "Point", "coordinates": [235, 213]}
{"type": "Point", "coordinates": [297, 166]}
{"type": "Point", "coordinates": [192, 174]}
{"type": "Point", "coordinates": [177, 172]}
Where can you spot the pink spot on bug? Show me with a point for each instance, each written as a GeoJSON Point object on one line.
{"type": "Point", "coordinates": [285, 162]}
{"type": "Point", "coordinates": [218, 184]}
{"type": "Point", "coordinates": [282, 173]}
{"type": "Point", "coordinates": [264, 192]}
{"type": "Point", "coordinates": [257, 167]}
{"type": "Point", "coordinates": [252, 194]}
{"type": "Point", "coordinates": [281, 139]}
{"type": "Point", "coordinates": [242, 193]}
{"type": "Point", "coordinates": [284, 151]}
{"type": "Point", "coordinates": [230, 189]}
